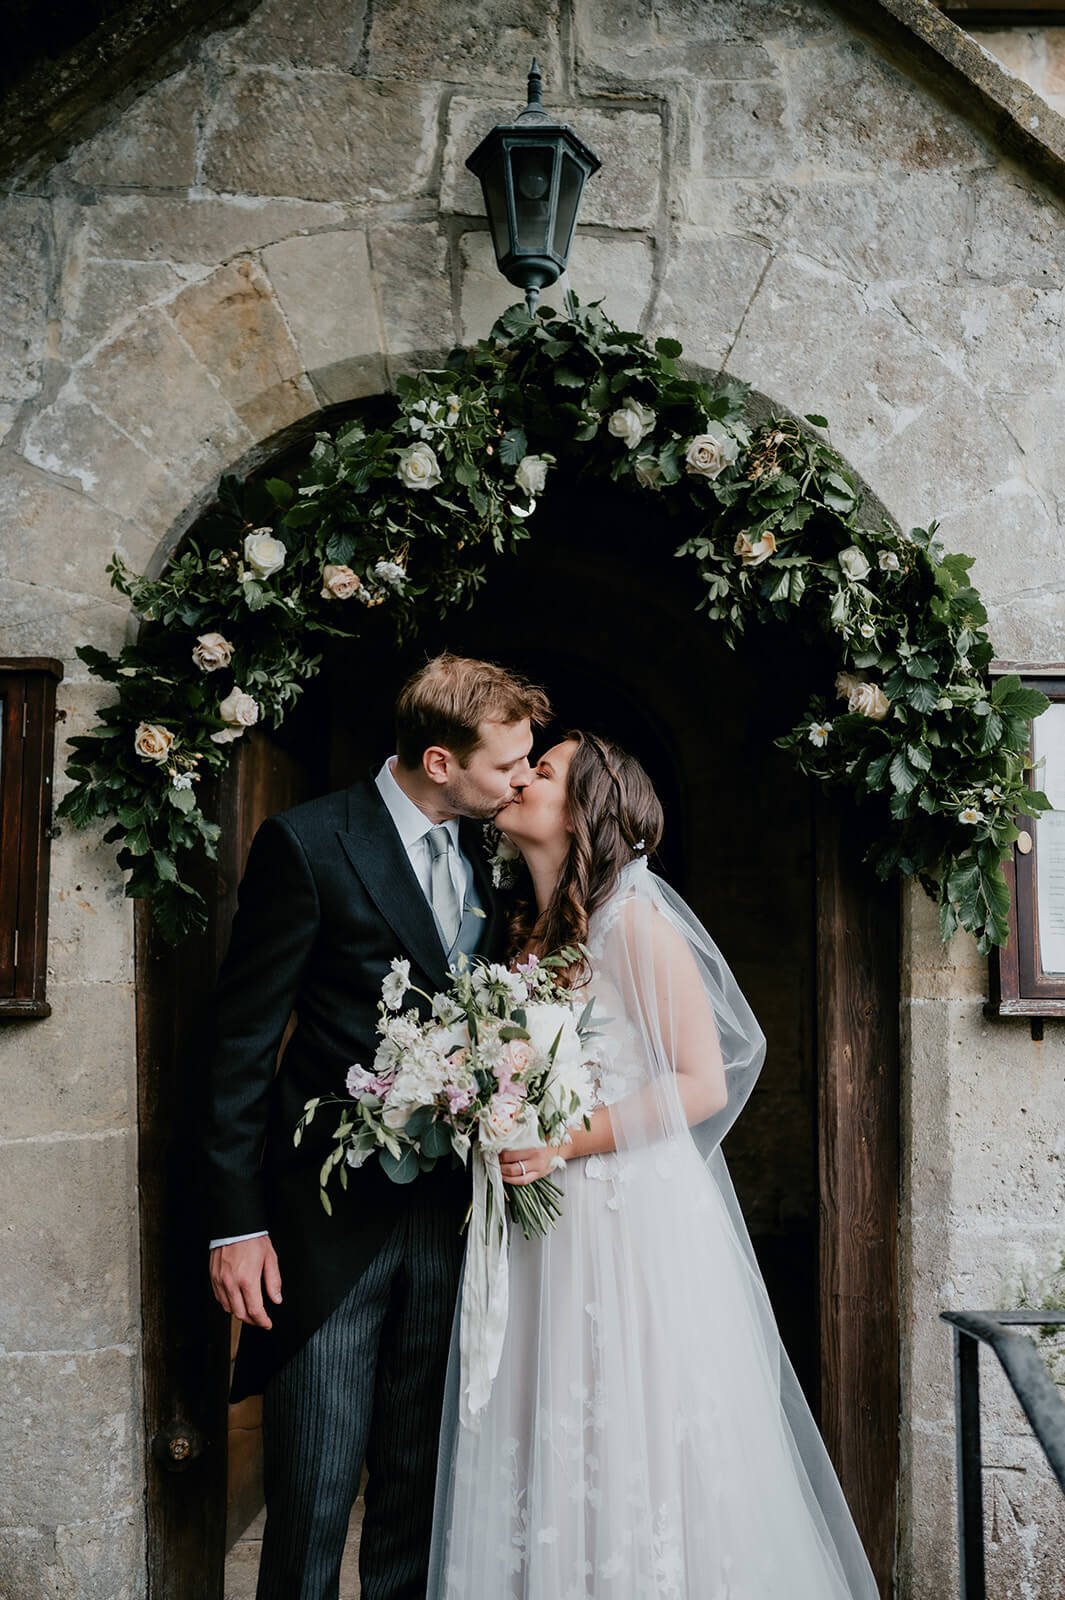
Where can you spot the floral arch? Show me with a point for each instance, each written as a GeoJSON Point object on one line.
{"type": "Point", "coordinates": [406, 516]}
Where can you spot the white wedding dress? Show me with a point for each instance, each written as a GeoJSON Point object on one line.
{"type": "Point", "coordinates": [645, 1437]}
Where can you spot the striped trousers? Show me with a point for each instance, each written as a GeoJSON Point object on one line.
{"type": "Point", "coordinates": [366, 1387]}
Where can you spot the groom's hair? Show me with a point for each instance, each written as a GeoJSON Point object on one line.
{"type": "Point", "coordinates": [448, 699]}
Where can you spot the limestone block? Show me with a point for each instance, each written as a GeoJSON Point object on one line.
{"type": "Point", "coordinates": [90, 923]}
{"type": "Point", "coordinates": [486, 42]}
{"type": "Point", "coordinates": [52, 533]}
{"type": "Point", "coordinates": [706, 289]}
{"type": "Point", "coordinates": [1029, 628]}
{"type": "Point", "coordinates": [1013, 533]}
{"type": "Point", "coordinates": [618, 271]}
{"type": "Point", "coordinates": [911, 227]}
{"type": "Point", "coordinates": [98, 1558]}
{"type": "Point", "coordinates": [850, 110]}
{"type": "Point", "coordinates": [1018, 231]}
{"type": "Point", "coordinates": [232, 323]}
{"type": "Point", "coordinates": [100, 295]}
{"type": "Point", "coordinates": [624, 46]}
{"type": "Point", "coordinates": [147, 382]}
{"type": "Point", "coordinates": [413, 285]}
{"type": "Point", "coordinates": [927, 1054]}
{"type": "Point", "coordinates": [298, 33]}
{"type": "Point", "coordinates": [932, 970]}
{"type": "Point", "coordinates": [1012, 1173]}
{"type": "Point", "coordinates": [624, 193]}
{"type": "Point", "coordinates": [928, 1553]}
{"type": "Point", "coordinates": [74, 1071]}
{"type": "Point", "coordinates": [743, 130]}
{"type": "Point", "coordinates": [71, 439]}
{"type": "Point", "coordinates": [68, 1246]}
{"type": "Point", "coordinates": [68, 1453]}
{"type": "Point", "coordinates": [324, 286]}
{"type": "Point", "coordinates": [321, 136]}
{"type": "Point", "coordinates": [197, 229]}
{"type": "Point", "coordinates": [1001, 336]}
{"type": "Point", "coordinates": [153, 141]}
{"type": "Point", "coordinates": [8, 413]}
{"type": "Point", "coordinates": [36, 620]}
{"type": "Point", "coordinates": [633, 39]}
{"type": "Point", "coordinates": [948, 458]}
{"type": "Point", "coordinates": [1024, 1512]}
{"type": "Point", "coordinates": [26, 267]}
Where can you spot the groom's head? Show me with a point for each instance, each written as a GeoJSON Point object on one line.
{"type": "Point", "coordinates": [464, 733]}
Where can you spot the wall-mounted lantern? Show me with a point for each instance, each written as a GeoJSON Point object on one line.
{"type": "Point", "coordinates": [532, 173]}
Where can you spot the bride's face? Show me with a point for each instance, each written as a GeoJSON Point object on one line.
{"type": "Point", "coordinates": [539, 815]}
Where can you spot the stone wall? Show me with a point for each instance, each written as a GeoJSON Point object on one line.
{"type": "Point", "coordinates": [284, 222]}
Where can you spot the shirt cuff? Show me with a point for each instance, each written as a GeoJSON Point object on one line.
{"type": "Point", "coordinates": [238, 1238]}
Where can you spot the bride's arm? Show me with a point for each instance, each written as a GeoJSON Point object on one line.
{"type": "Point", "coordinates": [664, 994]}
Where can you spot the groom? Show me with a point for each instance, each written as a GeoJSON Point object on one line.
{"type": "Point", "coordinates": [348, 1317]}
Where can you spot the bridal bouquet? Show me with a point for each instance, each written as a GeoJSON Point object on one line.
{"type": "Point", "coordinates": [504, 1060]}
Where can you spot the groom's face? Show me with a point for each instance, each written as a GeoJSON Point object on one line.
{"type": "Point", "coordinates": [493, 774]}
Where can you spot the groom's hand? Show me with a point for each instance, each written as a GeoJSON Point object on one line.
{"type": "Point", "coordinates": [240, 1273]}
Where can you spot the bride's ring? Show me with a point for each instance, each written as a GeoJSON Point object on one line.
{"type": "Point", "coordinates": [521, 1164]}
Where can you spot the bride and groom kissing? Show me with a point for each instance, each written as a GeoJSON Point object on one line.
{"type": "Point", "coordinates": [644, 1437]}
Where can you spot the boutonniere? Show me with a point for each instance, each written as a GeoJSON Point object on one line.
{"type": "Point", "coordinates": [502, 855]}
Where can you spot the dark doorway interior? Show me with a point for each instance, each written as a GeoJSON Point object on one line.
{"type": "Point", "coordinates": [595, 607]}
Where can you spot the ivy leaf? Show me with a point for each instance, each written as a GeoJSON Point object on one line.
{"type": "Point", "coordinates": [670, 348]}
{"type": "Point", "coordinates": [566, 378]}
{"type": "Point", "coordinates": [513, 446]}
{"type": "Point", "coordinates": [818, 422]}
{"type": "Point", "coordinates": [902, 775]}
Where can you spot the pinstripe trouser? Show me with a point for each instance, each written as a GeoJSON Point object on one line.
{"type": "Point", "coordinates": [367, 1385]}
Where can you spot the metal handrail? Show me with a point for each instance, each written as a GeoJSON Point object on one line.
{"type": "Point", "coordinates": [1038, 1395]}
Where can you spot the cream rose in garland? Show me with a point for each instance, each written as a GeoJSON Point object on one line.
{"type": "Point", "coordinates": [867, 699]}
{"type": "Point", "coordinates": [707, 455]}
{"type": "Point", "coordinates": [418, 468]}
{"type": "Point", "coordinates": [212, 651]}
{"type": "Point", "coordinates": [152, 741]}
{"type": "Point", "coordinates": [632, 422]}
{"type": "Point", "coordinates": [264, 554]}
{"type": "Point", "coordinates": [238, 711]}
{"type": "Point", "coordinates": [339, 582]}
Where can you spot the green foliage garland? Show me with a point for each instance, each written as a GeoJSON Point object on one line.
{"type": "Point", "coordinates": [406, 515]}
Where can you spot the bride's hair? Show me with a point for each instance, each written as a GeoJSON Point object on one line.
{"type": "Point", "coordinates": [616, 816]}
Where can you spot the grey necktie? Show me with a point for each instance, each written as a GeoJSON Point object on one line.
{"type": "Point", "coordinates": [441, 889]}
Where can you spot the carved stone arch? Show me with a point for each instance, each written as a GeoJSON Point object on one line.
{"type": "Point", "coordinates": [854, 934]}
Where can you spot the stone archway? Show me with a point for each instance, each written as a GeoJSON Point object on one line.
{"type": "Point", "coordinates": [855, 953]}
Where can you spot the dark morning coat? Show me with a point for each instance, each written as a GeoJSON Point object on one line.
{"type": "Point", "coordinates": [327, 900]}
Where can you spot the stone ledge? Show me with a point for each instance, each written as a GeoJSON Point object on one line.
{"type": "Point", "coordinates": [1018, 119]}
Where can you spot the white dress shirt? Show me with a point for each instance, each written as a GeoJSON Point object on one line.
{"type": "Point", "coordinates": [413, 827]}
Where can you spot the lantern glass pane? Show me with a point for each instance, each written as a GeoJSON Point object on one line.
{"type": "Point", "coordinates": [569, 198]}
{"type": "Point", "coordinates": [532, 166]}
{"type": "Point", "coordinates": [494, 183]}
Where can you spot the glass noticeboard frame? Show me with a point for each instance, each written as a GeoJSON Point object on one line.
{"type": "Point", "coordinates": [27, 746]}
{"type": "Point", "coordinates": [1027, 976]}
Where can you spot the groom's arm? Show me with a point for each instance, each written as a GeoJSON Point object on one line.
{"type": "Point", "coordinates": [274, 931]}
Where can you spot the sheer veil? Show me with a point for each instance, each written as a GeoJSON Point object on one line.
{"type": "Point", "coordinates": [680, 1052]}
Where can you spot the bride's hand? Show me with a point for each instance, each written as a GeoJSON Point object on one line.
{"type": "Point", "coordinates": [525, 1166]}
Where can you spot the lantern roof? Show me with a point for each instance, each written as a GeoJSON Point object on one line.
{"type": "Point", "coordinates": [532, 122]}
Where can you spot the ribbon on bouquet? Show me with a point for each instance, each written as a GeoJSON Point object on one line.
{"type": "Point", "coordinates": [483, 1315]}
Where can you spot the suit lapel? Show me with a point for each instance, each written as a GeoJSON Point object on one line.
{"type": "Point", "coordinates": [376, 852]}
{"type": "Point", "coordinates": [471, 836]}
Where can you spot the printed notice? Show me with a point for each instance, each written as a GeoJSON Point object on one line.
{"type": "Point", "coordinates": [1048, 733]}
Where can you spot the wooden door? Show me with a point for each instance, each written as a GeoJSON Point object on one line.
{"type": "Point", "coordinates": [200, 1492]}
{"type": "Point", "coordinates": [858, 1144]}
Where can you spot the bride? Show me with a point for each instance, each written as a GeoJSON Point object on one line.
{"type": "Point", "coordinates": [645, 1437]}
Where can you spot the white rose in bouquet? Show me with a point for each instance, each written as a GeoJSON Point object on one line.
{"type": "Point", "coordinates": [264, 554]}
